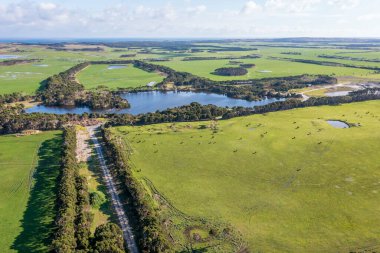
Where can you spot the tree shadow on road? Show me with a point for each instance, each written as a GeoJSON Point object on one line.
{"type": "Point", "coordinates": [38, 220]}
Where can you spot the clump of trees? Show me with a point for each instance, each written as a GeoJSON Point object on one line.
{"type": "Point", "coordinates": [108, 238]}
{"type": "Point", "coordinates": [13, 97]}
{"type": "Point", "coordinates": [231, 71]}
{"type": "Point", "coordinates": [13, 119]}
{"type": "Point", "coordinates": [150, 231]}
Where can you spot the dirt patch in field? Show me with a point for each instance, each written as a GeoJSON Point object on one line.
{"type": "Point", "coordinates": [83, 151]}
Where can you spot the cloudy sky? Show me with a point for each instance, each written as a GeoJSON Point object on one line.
{"type": "Point", "coordinates": [188, 18]}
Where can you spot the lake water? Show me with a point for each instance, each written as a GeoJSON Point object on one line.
{"type": "Point", "coordinates": [143, 102]}
{"type": "Point", "coordinates": [116, 66]}
{"type": "Point", "coordinates": [8, 56]}
{"type": "Point", "coordinates": [338, 124]}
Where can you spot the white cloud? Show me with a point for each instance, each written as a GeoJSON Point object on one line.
{"type": "Point", "coordinates": [197, 9]}
{"type": "Point", "coordinates": [269, 18]}
{"type": "Point", "coordinates": [369, 17]}
{"type": "Point", "coordinates": [250, 7]}
{"type": "Point", "coordinates": [167, 12]}
{"type": "Point", "coordinates": [291, 5]}
{"type": "Point", "coordinates": [344, 4]}
{"type": "Point", "coordinates": [47, 6]}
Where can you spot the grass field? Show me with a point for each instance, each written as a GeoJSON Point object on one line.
{"type": "Point", "coordinates": [102, 213]}
{"type": "Point", "coordinates": [286, 181]}
{"type": "Point", "coordinates": [29, 170]}
{"type": "Point", "coordinates": [128, 77]}
{"type": "Point", "coordinates": [264, 68]}
{"type": "Point", "coordinates": [26, 78]}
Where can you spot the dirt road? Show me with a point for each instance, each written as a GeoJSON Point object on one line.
{"type": "Point", "coordinates": [107, 177]}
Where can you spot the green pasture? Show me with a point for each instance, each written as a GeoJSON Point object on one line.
{"type": "Point", "coordinates": [264, 68]}
{"type": "Point", "coordinates": [29, 168]}
{"type": "Point", "coordinates": [128, 77]}
{"type": "Point", "coordinates": [286, 181]}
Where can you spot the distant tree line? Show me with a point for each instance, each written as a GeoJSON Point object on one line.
{"type": "Point", "coordinates": [85, 49]}
{"type": "Point", "coordinates": [327, 63]}
{"type": "Point", "coordinates": [151, 238]}
{"type": "Point", "coordinates": [73, 218]}
{"type": "Point", "coordinates": [127, 55]}
{"type": "Point", "coordinates": [340, 57]}
{"type": "Point", "coordinates": [15, 62]}
{"type": "Point", "coordinates": [291, 53]}
{"type": "Point", "coordinates": [206, 58]}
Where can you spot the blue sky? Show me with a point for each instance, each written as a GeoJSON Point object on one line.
{"type": "Point", "coordinates": [189, 18]}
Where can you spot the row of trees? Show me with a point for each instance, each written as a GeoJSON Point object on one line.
{"type": "Point", "coordinates": [150, 231]}
{"type": "Point", "coordinates": [341, 57]}
{"type": "Point", "coordinates": [15, 62]}
{"type": "Point", "coordinates": [192, 112]}
{"type": "Point", "coordinates": [205, 58]}
{"type": "Point", "coordinates": [73, 218]}
{"type": "Point", "coordinates": [70, 201]}
{"type": "Point", "coordinates": [328, 63]}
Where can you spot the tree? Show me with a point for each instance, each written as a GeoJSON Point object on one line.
{"type": "Point", "coordinates": [108, 238]}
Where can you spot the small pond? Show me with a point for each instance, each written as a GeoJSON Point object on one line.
{"type": "Point", "coordinates": [337, 93]}
{"type": "Point", "coordinates": [116, 67]}
{"type": "Point", "coordinates": [41, 65]}
{"type": "Point", "coordinates": [143, 102]}
{"type": "Point", "coordinates": [8, 56]}
{"type": "Point", "coordinates": [338, 124]}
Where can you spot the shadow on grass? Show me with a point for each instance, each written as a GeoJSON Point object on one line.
{"type": "Point", "coordinates": [38, 220]}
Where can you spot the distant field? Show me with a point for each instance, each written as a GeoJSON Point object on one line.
{"type": "Point", "coordinates": [27, 78]}
{"type": "Point", "coordinates": [264, 68]}
{"type": "Point", "coordinates": [27, 205]}
{"type": "Point", "coordinates": [128, 77]}
{"type": "Point", "coordinates": [287, 181]}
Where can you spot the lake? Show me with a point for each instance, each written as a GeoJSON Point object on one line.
{"type": "Point", "coordinates": [8, 56]}
{"type": "Point", "coordinates": [143, 102]}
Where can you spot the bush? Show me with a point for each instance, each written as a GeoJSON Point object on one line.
{"type": "Point", "coordinates": [97, 199]}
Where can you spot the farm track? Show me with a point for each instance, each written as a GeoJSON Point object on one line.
{"type": "Point", "coordinates": [111, 188]}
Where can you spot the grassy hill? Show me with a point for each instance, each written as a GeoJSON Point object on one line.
{"type": "Point", "coordinates": [286, 181]}
{"type": "Point", "coordinates": [126, 77]}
